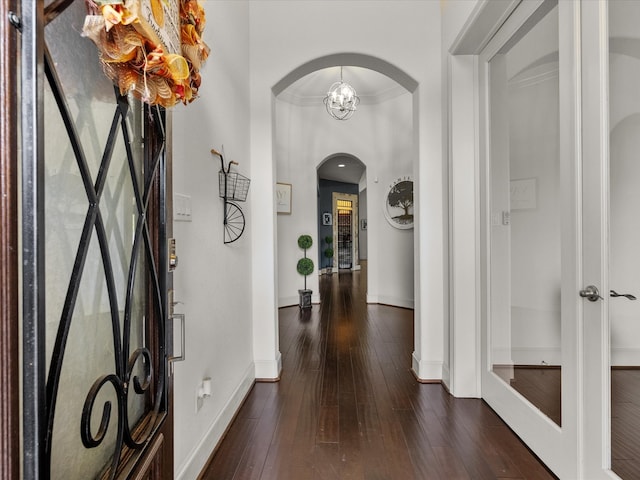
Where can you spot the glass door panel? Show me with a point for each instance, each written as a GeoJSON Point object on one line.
{"type": "Point", "coordinates": [344, 234]}
{"type": "Point", "coordinates": [529, 229]}
{"type": "Point", "coordinates": [624, 251]}
{"type": "Point", "coordinates": [525, 218]}
{"type": "Point", "coordinates": [105, 343]}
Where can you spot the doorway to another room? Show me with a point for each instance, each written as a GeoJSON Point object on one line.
{"type": "Point", "coordinates": [341, 179]}
{"type": "Point", "coordinates": [346, 230]}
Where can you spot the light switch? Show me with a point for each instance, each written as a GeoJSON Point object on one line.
{"type": "Point", "coordinates": [181, 207]}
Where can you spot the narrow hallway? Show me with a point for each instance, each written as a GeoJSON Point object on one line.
{"type": "Point", "coordinates": [348, 407]}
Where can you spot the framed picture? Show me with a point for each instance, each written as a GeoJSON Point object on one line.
{"type": "Point", "coordinates": [398, 203]}
{"type": "Point", "coordinates": [283, 198]}
{"type": "Point", "coordinates": [327, 218]}
{"type": "Point", "coordinates": [522, 194]}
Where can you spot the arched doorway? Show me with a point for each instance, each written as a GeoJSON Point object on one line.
{"type": "Point", "coordinates": [288, 168]}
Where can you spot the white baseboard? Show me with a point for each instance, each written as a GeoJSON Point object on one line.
{"type": "Point", "coordinates": [388, 300]}
{"type": "Point", "coordinates": [288, 301]}
{"type": "Point", "coordinates": [620, 356]}
{"type": "Point", "coordinates": [197, 460]}
{"type": "Point", "coordinates": [293, 301]}
{"type": "Point", "coordinates": [268, 369]}
{"type": "Point", "coordinates": [426, 370]}
{"type": "Point", "coordinates": [396, 302]}
{"type": "Point", "coordinates": [625, 357]}
{"type": "Point", "coordinates": [446, 376]}
{"type": "Point", "coordinates": [535, 356]}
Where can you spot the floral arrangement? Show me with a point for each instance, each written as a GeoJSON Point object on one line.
{"type": "Point", "coordinates": [138, 58]}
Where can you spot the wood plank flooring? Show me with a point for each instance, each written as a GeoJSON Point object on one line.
{"type": "Point", "coordinates": [625, 422]}
{"type": "Point", "coordinates": [348, 407]}
{"type": "Point", "coordinates": [542, 387]}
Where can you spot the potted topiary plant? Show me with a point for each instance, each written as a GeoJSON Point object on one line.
{"type": "Point", "coordinates": [305, 267]}
{"type": "Point", "coordinates": [328, 252]}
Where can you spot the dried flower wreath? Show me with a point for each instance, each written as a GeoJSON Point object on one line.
{"type": "Point", "coordinates": [135, 58]}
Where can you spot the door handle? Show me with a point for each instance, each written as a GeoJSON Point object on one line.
{"type": "Point", "coordinates": [591, 293]}
{"type": "Point", "coordinates": [613, 293]}
{"type": "Point", "coordinates": [172, 357]}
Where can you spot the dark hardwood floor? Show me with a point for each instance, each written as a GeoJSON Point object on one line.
{"type": "Point", "coordinates": [625, 422]}
{"type": "Point", "coordinates": [348, 407]}
{"type": "Point", "coordinates": [541, 385]}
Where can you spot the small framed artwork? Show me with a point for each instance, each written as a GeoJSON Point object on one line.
{"type": "Point", "coordinates": [522, 194]}
{"type": "Point", "coordinates": [327, 218]}
{"type": "Point", "coordinates": [283, 198]}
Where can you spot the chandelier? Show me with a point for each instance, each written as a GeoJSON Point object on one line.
{"type": "Point", "coordinates": [341, 100]}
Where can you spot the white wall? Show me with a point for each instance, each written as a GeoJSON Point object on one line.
{"type": "Point", "coordinates": [364, 234]}
{"type": "Point", "coordinates": [380, 135]}
{"type": "Point", "coordinates": [286, 35]}
{"type": "Point", "coordinates": [213, 280]}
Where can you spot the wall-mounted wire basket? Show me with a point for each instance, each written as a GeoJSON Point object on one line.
{"type": "Point", "coordinates": [237, 186]}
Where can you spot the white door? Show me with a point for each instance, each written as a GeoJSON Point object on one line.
{"type": "Point", "coordinates": [530, 166]}
{"type": "Point", "coordinates": [560, 85]}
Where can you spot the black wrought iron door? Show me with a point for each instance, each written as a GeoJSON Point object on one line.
{"type": "Point", "coordinates": [96, 382]}
{"type": "Point", "coordinates": [345, 247]}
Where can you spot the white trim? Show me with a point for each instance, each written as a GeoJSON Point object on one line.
{"type": "Point", "coordinates": [396, 301]}
{"type": "Point", "coordinates": [288, 301]}
{"type": "Point", "coordinates": [292, 300]}
{"type": "Point", "coordinates": [200, 454]}
{"type": "Point", "coordinates": [624, 357]}
{"type": "Point", "coordinates": [426, 370]}
{"type": "Point", "coordinates": [269, 369]}
{"type": "Point", "coordinates": [536, 355]}
{"type": "Point", "coordinates": [485, 20]}
{"type": "Point", "coordinates": [446, 377]}
{"type": "Point", "coordinates": [464, 228]}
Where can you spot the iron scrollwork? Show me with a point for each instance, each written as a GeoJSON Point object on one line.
{"type": "Point", "coordinates": [149, 381]}
{"type": "Point", "coordinates": [122, 391]}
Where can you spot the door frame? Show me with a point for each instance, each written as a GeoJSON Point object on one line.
{"type": "Point", "coordinates": [596, 354]}
{"type": "Point", "coordinates": [9, 248]}
{"type": "Point", "coordinates": [355, 233]}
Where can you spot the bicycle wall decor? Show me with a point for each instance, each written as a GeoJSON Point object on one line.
{"type": "Point", "coordinates": [233, 188]}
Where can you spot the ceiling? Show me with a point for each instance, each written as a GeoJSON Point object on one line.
{"type": "Point", "coordinates": [371, 86]}
{"type": "Point", "coordinates": [350, 173]}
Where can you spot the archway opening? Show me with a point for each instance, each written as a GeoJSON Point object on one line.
{"type": "Point", "coordinates": [342, 202]}
{"type": "Point", "coordinates": [381, 135]}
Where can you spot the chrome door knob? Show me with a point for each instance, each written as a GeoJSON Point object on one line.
{"type": "Point", "coordinates": [591, 293]}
